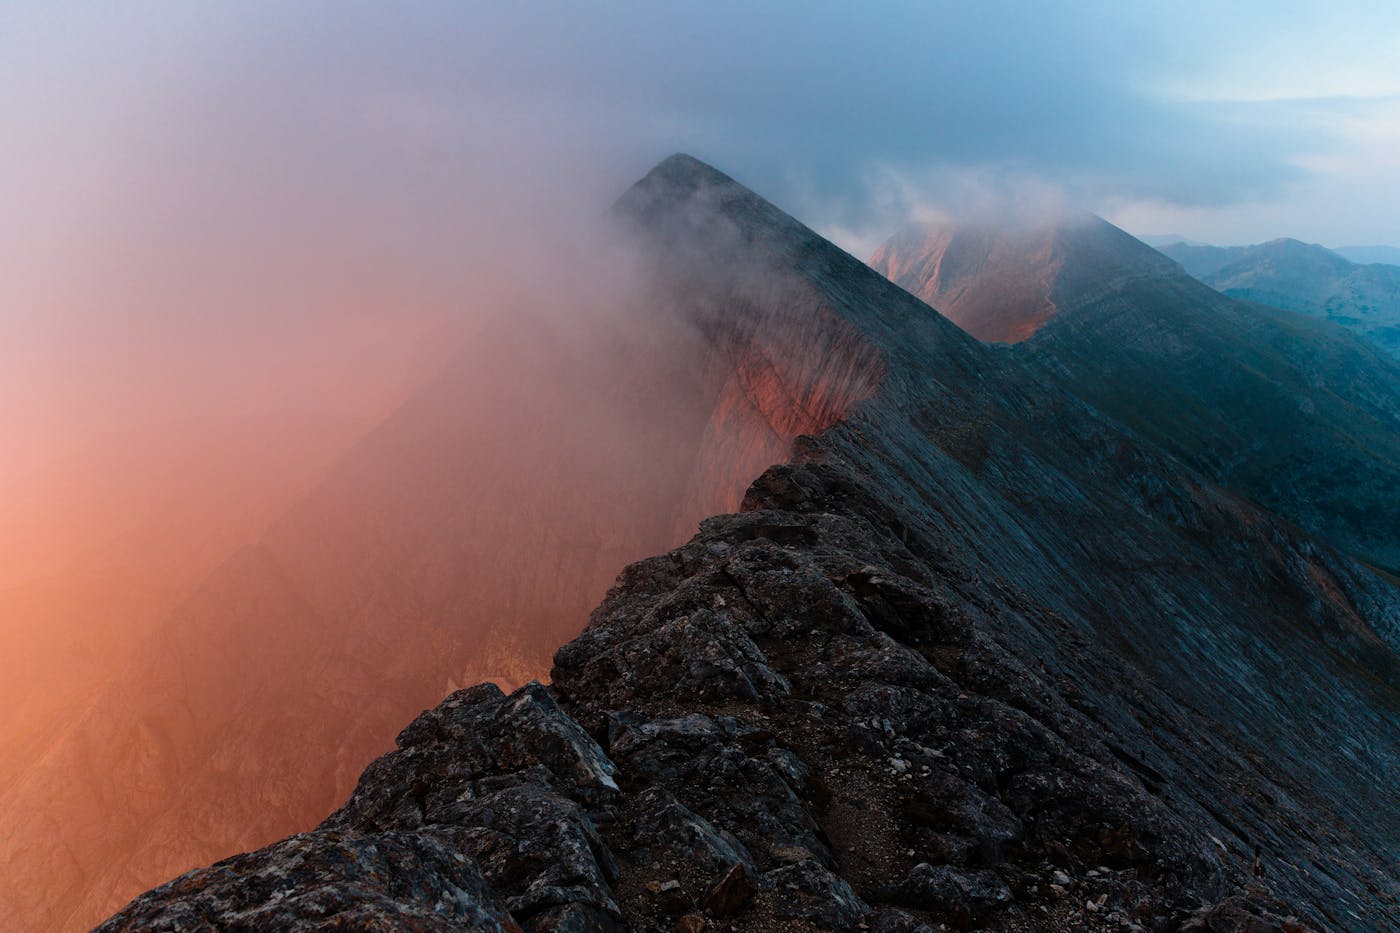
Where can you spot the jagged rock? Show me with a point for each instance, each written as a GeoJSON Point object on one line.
{"type": "Point", "coordinates": [329, 880]}
{"type": "Point", "coordinates": [664, 825]}
{"type": "Point", "coordinates": [478, 741]}
{"type": "Point", "coordinates": [496, 785]}
{"type": "Point", "coordinates": [958, 894]}
{"type": "Point", "coordinates": [897, 921]}
{"type": "Point", "coordinates": [808, 891]}
{"type": "Point", "coordinates": [730, 892]}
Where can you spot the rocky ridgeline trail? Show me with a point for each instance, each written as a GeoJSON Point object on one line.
{"type": "Point", "coordinates": [792, 722]}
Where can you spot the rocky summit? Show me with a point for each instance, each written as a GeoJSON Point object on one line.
{"type": "Point", "coordinates": [977, 656]}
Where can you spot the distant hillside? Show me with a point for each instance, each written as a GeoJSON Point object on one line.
{"type": "Point", "coordinates": [1167, 239]}
{"type": "Point", "coordinates": [1304, 277]}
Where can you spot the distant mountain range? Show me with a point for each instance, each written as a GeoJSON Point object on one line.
{"type": "Point", "coordinates": [103, 544]}
{"type": "Point", "coordinates": [1167, 239]}
{"type": "Point", "coordinates": [1361, 255]}
{"type": "Point", "coordinates": [1358, 287]}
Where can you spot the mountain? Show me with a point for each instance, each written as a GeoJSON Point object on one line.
{"type": "Point", "coordinates": [1292, 412]}
{"type": "Point", "coordinates": [1305, 278]}
{"type": "Point", "coordinates": [1365, 255]}
{"type": "Point", "coordinates": [975, 655]}
{"type": "Point", "coordinates": [1002, 288]}
{"type": "Point", "coordinates": [466, 536]}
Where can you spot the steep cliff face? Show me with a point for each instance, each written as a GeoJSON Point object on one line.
{"type": "Point", "coordinates": [977, 656]}
{"type": "Point", "coordinates": [466, 537]}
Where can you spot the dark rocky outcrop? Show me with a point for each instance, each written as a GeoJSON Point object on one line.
{"type": "Point", "coordinates": [976, 657]}
{"type": "Point", "coordinates": [795, 699]}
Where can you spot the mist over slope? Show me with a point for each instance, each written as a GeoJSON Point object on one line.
{"type": "Point", "coordinates": [100, 546]}
{"type": "Point", "coordinates": [465, 537]}
{"type": "Point", "coordinates": [1294, 413]}
{"type": "Point", "coordinates": [1363, 297]}
{"type": "Point", "coordinates": [978, 655]}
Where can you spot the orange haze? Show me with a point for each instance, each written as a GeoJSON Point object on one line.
{"type": "Point", "coordinates": [238, 613]}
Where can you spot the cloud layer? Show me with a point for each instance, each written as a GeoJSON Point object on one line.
{"type": "Point", "coordinates": [204, 169]}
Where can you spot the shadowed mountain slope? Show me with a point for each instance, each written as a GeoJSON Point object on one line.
{"type": "Point", "coordinates": [1363, 297]}
{"type": "Point", "coordinates": [1292, 412]}
{"type": "Point", "coordinates": [977, 656]}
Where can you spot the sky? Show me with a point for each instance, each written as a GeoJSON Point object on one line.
{"type": "Point", "coordinates": [302, 187]}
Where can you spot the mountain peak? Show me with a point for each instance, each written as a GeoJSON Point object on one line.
{"type": "Point", "coordinates": [682, 200]}
{"type": "Point", "coordinates": [1002, 281]}
{"type": "Point", "coordinates": [1298, 249]}
{"type": "Point", "coordinates": [683, 167]}
{"type": "Point", "coordinates": [678, 178]}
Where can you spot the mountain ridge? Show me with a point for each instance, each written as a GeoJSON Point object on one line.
{"type": "Point", "coordinates": [1081, 683]}
{"type": "Point", "coordinates": [1366, 255]}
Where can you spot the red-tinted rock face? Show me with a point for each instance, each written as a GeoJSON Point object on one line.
{"type": "Point", "coordinates": [1001, 284]}
{"type": "Point", "coordinates": [996, 291]}
{"type": "Point", "coordinates": [794, 373]}
{"type": "Point", "coordinates": [464, 539]}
